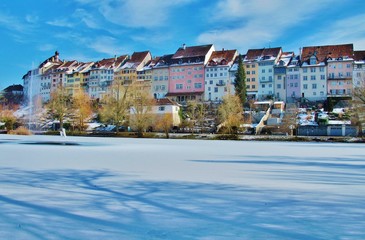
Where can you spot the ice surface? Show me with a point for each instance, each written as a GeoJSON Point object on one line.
{"type": "Point", "coordinates": [105, 188]}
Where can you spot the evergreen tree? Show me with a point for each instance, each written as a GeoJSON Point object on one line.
{"type": "Point", "coordinates": [240, 82]}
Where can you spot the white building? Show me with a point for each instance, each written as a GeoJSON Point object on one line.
{"type": "Point", "coordinates": [217, 75]}
{"type": "Point", "coordinates": [280, 69]}
{"type": "Point", "coordinates": [160, 77]}
{"type": "Point", "coordinates": [102, 75]}
{"type": "Point", "coordinates": [359, 69]}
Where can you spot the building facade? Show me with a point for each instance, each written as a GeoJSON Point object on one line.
{"type": "Point", "coordinates": [187, 73]}
{"type": "Point", "coordinates": [217, 80]}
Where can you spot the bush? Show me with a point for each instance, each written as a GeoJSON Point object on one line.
{"type": "Point", "coordinates": [226, 137]}
{"type": "Point", "coordinates": [20, 131]}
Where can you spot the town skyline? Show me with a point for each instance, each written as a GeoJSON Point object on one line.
{"type": "Point", "coordinates": [89, 30]}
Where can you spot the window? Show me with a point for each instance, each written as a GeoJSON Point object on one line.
{"type": "Point", "coordinates": [321, 93]}
{"type": "Point", "coordinates": [305, 78]}
{"type": "Point", "coordinates": [323, 77]}
{"type": "Point", "coordinates": [247, 66]}
{"type": "Point", "coordinates": [248, 79]}
{"type": "Point", "coordinates": [291, 84]}
{"type": "Point", "coordinates": [253, 86]}
{"type": "Point", "coordinates": [253, 79]}
{"type": "Point", "coordinates": [314, 93]}
{"type": "Point", "coordinates": [253, 65]}
{"type": "Point", "coordinates": [247, 72]}
{"type": "Point", "coordinates": [197, 85]}
{"type": "Point", "coordinates": [348, 74]}
{"type": "Point", "coordinates": [279, 77]}
{"type": "Point", "coordinates": [305, 86]}
{"type": "Point", "coordinates": [313, 69]}
{"type": "Point", "coordinates": [263, 70]}
{"type": "Point", "coordinates": [216, 89]}
{"type": "Point", "coordinates": [305, 70]}
{"type": "Point", "coordinates": [313, 77]}
{"type": "Point", "coordinates": [211, 82]}
{"type": "Point", "coordinates": [161, 108]}
{"type": "Point", "coordinates": [321, 69]}
{"type": "Point", "coordinates": [270, 78]}
{"type": "Point", "coordinates": [248, 86]}
{"type": "Point", "coordinates": [314, 86]}
{"type": "Point", "coordinates": [263, 85]}
{"type": "Point", "coordinates": [270, 70]}
{"type": "Point", "coordinates": [253, 72]}
{"type": "Point", "coordinates": [179, 86]}
{"type": "Point", "coordinates": [278, 86]}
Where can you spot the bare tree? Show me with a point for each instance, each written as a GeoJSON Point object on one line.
{"type": "Point", "coordinates": [8, 118]}
{"type": "Point", "coordinates": [196, 112]}
{"type": "Point", "coordinates": [230, 113]}
{"type": "Point", "coordinates": [59, 105]}
{"type": "Point", "coordinates": [115, 105]}
{"type": "Point", "coordinates": [82, 109]}
{"type": "Point", "coordinates": [164, 123]}
{"type": "Point", "coordinates": [358, 104]}
{"type": "Point", "coordinates": [141, 103]}
{"type": "Point", "coordinates": [289, 120]}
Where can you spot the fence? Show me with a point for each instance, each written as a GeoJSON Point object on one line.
{"type": "Point", "coordinates": [337, 130]}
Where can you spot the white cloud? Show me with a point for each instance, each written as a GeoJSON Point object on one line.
{"type": "Point", "coordinates": [46, 47]}
{"type": "Point", "coordinates": [348, 30]}
{"type": "Point", "coordinates": [62, 22]}
{"type": "Point", "coordinates": [88, 19]}
{"type": "Point", "coordinates": [139, 13]}
{"type": "Point", "coordinates": [105, 44]}
{"type": "Point", "coordinates": [31, 18]}
{"type": "Point", "coordinates": [257, 22]}
{"type": "Point", "coordinates": [12, 23]}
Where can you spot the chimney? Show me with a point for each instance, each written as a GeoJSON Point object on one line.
{"type": "Point", "coordinates": [222, 49]}
{"type": "Point", "coordinates": [184, 46]}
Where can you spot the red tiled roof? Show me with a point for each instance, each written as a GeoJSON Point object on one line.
{"type": "Point", "coordinates": [330, 51]}
{"type": "Point", "coordinates": [184, 93]}
{"type": "Point", "coordinates": [218, 56]}
{"type": "Point", "coordinates": [359, 55]}
{"type": "Point", "coordinates": [165, 101]}
{"type": "Point", "coordinates": [253, 54]}
{"type": "Point", "coordinates": [194, 51]}
{"type": "Point", "coordinates": [138, 57]}
{"type": "Point", "coordinates": [108, 62]}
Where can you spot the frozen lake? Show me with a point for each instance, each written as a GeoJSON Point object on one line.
{"type": "Point", "coordinates": [106, 188]}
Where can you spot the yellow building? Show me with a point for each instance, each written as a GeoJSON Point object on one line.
{"type": "Point", "coordinates": [78, 79]}
{"type": "Point", "coordinates": [127, 73]}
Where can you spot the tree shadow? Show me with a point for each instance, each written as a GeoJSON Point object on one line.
{"type": "Point", "coordinates": [75, 204]}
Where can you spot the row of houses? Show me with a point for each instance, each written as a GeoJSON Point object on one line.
{"type": "Point", "coordinates": [206, 74]}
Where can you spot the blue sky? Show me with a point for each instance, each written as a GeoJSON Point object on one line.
{"type": "Point", "coordinates": [89, 30]}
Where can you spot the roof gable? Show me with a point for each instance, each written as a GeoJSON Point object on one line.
{"type": "Point", "coordinates": [191, 52]}
{"type": "Point", "coordinates": [323, 53]}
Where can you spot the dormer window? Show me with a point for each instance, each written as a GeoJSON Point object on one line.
{"type": "Point", "coordinates": [312, 60]}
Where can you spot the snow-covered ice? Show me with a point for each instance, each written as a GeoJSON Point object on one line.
{"type": "Point", "coordinates": [106, 188]}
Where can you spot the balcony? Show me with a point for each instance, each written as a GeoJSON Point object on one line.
{"type": "Point", "coordinates": [338, 77]}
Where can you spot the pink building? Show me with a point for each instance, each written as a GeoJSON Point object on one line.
{"type": "Point", "coordinates": [339, 69]}
{"type": "Point", "coordinates": [187, 72]}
